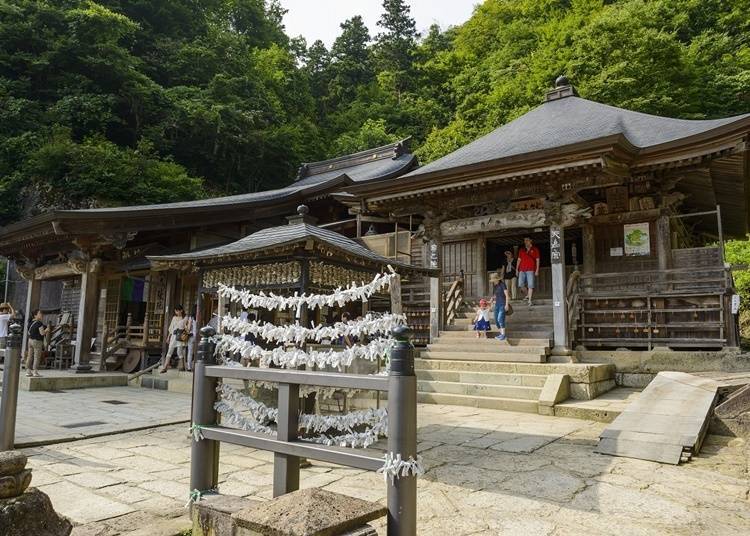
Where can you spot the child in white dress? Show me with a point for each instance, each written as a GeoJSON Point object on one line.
{"type": "Point", "coordinates": [482, 319]}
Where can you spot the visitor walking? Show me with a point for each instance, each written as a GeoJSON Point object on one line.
{"type": "Point", "coordinates": [528, 268]}
{"type": "Point", "coordinates": [482, 319]}
{"type": "Point", "coordinates": [501, 299]}
{"type": "Point", "coordinates": [179, 333]}
{"type": "Point", "coordinates": [509, 274]}
{"type": "Point", "coordinates": [37, 332]}
{"type": "Point", "coordinates": [6, 313]}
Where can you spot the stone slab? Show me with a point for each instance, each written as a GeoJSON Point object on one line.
{"type": "Point", "coordinates": [670, 416]}
{"type": "Point", "coordinates": [310, 512]}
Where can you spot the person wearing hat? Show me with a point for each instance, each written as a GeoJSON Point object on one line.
{"type": "Point", "coordinates": [6, 313]}
{"type": "Point", "coordinates": [482, 319]}
{"type": "Point", "coordinates": [501, 299]}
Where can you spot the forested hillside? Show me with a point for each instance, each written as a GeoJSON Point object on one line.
{"type": "Point", "coordinates": [135, 101]}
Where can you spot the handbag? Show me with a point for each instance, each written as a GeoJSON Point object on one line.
{"type": "Point", "coordinates": [509, 311]}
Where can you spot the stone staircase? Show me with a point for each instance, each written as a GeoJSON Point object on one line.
{"type": "Point", "coordinates": [460, 369]}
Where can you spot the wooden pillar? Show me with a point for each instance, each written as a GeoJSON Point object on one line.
{"type": "Point", "coordinates": [663, 246]}
{"type": "Point", "coordinates": [86, 320]}
{"type": "Point", "coordinates": [589, 249]}
{"type": "Point", "coordinates": [169, 308]}
{"type": "Point", "coordinates": [481, 267]}
{"type": "Point", "coordinates": [33, 294]}
{"type": "Point", "coordinates": [559, 305]}
{"type": "Point", "coordinates": [436, 307]}
{"type": "Point", "coordinates": [396, 306]}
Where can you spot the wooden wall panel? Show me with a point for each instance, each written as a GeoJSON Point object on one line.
{"type": "Point", "coordinates": [461, 255]}
{"type": "Point", "coordinates": [611, 236]}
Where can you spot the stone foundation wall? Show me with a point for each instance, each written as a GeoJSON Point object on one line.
{"type": "Point", "coordinates": [637, 368]}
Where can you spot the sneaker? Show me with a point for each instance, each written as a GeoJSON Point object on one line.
{"type": "Point", "coordinates": [29, 375]}
{"type": "Point", "coordinates": [37, 375]}
{"type": "Point", "coordinates": [500, 337]}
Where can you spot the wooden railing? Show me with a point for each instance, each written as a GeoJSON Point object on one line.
{"type": "Point", "coordinates": [677, 280]}
{"type": "Point", "coordinates": [454, 300]}
{"type": "Point", "coordinates": [571, 299]}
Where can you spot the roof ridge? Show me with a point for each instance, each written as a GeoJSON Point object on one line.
{"type": "Point", "coordinates": [391, 150]}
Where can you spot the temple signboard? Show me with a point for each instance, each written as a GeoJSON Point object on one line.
{"type": "Point", "coordinates": [525, 219]}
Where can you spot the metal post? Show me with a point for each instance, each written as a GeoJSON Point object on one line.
{"type": "Point", "coordinates": [9, 400]}
{"type": "Point", "coordinates": [204, 453]}
{"type": "Point", "coordinates": [285, 467]}
{"type": "Point", "coordinates": [402, 434]}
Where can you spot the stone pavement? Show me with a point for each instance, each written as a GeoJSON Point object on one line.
{"type": "Point", "coordinates": [49, 417]}
{"type": "Point", "coordinates": [489, 473]}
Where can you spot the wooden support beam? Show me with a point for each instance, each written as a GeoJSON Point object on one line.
{"type": "Point", "coordinates": [589, 249]}
{"type": "Point", "coordinates": [663, 243]}
{"type": "Point", "coordinates": [86, 320]}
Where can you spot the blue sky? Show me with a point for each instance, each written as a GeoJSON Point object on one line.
{"type": "Point", "coordinates": [320, 19]}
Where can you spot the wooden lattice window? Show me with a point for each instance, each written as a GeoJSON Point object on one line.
{"type": "Point", "coordinates": [157, 287]}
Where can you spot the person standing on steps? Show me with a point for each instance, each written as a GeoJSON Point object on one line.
{"type": "Point", "coordinates": [509, 274]}
{"type": "Point", "coordinates": [501, 299]}
{"type": "Point", "coordinates": [528, 267]}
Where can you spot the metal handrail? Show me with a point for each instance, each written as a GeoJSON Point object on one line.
{"type": "Point", "coordinates": [401, 385]}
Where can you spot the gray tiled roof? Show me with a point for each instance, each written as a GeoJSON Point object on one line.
{"type": "Point", "coordinates": [373, 164]}
{"type": "Point", "coordinates": [282, 235]}
{"type": "Point", "coordinates": [568, 121]}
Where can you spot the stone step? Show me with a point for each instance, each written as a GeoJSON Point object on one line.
{"type": "Point", "coordinates": [543, 321]}
{"type": "Point", "coordinates": [473, 389]}
{"type": "Point", "coordinates": [486, 402]}
{"type": "Point", "coordinates": [538, 332]}
{"type": "Point", "coordinates": [503, 367]}
{"type": "Point", "coordinates": [510, 357]}
{"type": "Point", "coordinates": [466, 335]}
{"type": "Point", "coordinates": [489, 346]}
{"type": "Point", "coordinates": [486, 378]}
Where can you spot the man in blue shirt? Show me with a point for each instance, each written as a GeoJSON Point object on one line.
{"type": "Point", "coordinates": [501, 300]}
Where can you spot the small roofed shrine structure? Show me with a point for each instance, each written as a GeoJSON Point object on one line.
{"type": "Point", "coordinates": [297, 258]}
{"type": "Point", "coordinates": [629, 211]}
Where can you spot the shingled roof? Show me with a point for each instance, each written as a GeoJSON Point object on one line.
{"type": "Point", "coordinates": [568, 120]}
{"type": "Point", "coordinates": [299, 230]}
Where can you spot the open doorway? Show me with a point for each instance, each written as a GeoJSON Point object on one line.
{"type": "Point", "coordinates": [512, 241]}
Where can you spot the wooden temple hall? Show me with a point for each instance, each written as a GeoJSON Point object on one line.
{"type": "Point", "coordinates": [628, 210]}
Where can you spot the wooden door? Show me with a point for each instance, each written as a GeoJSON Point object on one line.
{"type": "Point", "coordinates": [461, 255]}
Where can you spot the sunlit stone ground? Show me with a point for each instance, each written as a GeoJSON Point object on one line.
{"type": "Point", "coordinates": [489, 473]}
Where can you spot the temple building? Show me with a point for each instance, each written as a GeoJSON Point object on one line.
{"type": "Point", "coordinates": [629, 211]}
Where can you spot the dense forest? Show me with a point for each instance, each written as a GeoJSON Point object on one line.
{"type": "Point", "coordinates": [132, 101]}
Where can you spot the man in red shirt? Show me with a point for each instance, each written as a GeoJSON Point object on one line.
{"type": "Point", "coordinates": [528, 267]}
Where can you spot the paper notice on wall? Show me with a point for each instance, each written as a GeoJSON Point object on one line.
{"type": "Point", "coordinates": [637, 239]}
{"type": "Point", "coordinates": [735, 304]}
{"type": "Point", "coordinates": [615, 252]}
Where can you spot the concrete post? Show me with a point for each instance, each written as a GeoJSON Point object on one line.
{"type": "Point", "coordinates": [86, 319]}
{"type": "Point", "coordinates": [402, 434]}
{"type": "Point", "coordinates": [286, 467]}
{"type": "Point", "coordinates": [559, 304]}
{"type": "Point", "coordinates": [11, 376]}
{"type": "Point", "coordinates": [33, 295]}
{"type": "Point", "coordinates": [204, 453]}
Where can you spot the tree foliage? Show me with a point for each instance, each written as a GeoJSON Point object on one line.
{"type": "Point", "coordinates": [184, 99]}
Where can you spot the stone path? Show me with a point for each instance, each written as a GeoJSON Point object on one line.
{"type": "Point", "coordinates": [489, 473]}
{"type": "Point", "coordinates": [48, 417]}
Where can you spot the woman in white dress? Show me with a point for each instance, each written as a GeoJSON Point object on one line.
{"type": "Point", "coordinates": [179, 331]}
{"type": "Point", "coordinates": [6, 313]}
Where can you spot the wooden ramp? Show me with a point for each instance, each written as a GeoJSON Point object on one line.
{"type": "Point", "coordinates": [667, 423]}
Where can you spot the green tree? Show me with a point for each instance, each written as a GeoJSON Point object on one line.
{"type": "Point", "coordinates": [396, 44]}
{"type": "Point", "coordinates": [372, 133]}
{"type": "Point", "coordinates": [351, 64]}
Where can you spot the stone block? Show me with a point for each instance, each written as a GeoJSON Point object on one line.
{"type": "Point", "coordinates": [12, 462]}
{"type": "Point", "coordinates": [310, 512]}
{"type": "Point", "coordinates": [736, 404]}
{"type": "Point", "coordinates": [632, 379]}
{"type": "Point", "coordinates": [212, 515]}
{"type": "Point", "coordinates": [556, 389]}
{"type": "Point", "coordinates": [31, 513]}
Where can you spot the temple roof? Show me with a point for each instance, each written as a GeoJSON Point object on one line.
{"type": "Point", "coordinates": [568, 120]}
{"type": "Point", "coordinates": [299, 230]}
